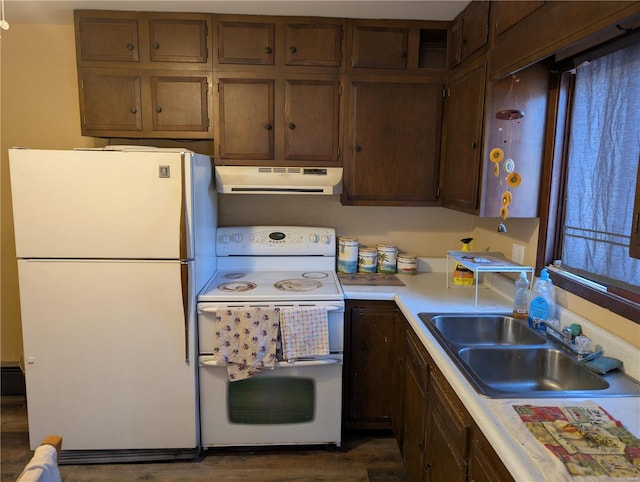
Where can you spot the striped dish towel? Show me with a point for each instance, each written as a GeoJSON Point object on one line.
{"type": "Point", "coordinates": [305, 332]}
{"type": "Point", "coordinates": [245, 340]}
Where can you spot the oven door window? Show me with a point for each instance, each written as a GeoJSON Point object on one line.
{"type": "Point", "coordinates": [271, 400]}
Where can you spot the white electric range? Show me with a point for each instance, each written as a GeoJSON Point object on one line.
{"type": "Point", "coordinates": [299, 401]}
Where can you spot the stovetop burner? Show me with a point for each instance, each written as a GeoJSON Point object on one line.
{"type": "Point", "coordinates": [267, 285]}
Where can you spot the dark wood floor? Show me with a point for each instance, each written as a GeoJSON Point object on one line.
{"type": "Point", "coordinates": [363, 457]}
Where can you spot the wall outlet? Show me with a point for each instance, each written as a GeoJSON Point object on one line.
{"type": "Point", "coordinates": [517, 253]}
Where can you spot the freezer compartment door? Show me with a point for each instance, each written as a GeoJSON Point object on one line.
{"type": "Point", "coordinates": [97, 204]}
{"type": "Point", "coordinates": [104, 348]}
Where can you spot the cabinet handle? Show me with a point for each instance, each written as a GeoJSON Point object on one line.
{"type": "Point", "coordinates": [129, 46]}
{"type": "Point", "coordinates": [292, 126]}
{"type": "Point", "coordinates": [268, 50]}
{"type": "Point", "coordinates": [473, 145]}
{"type": "Point", "coordinates": [133, 110]}
{"type": "Point", "coordinates": [268, 126]}
{"type": "Point", "coordinates": [358, 148]}
{"type": "Point", "coordinates": [293, 50]}
{"type": "Point", "coordinates": [155, 45]}
{"type": "Point", "coordinates": [158, 109]}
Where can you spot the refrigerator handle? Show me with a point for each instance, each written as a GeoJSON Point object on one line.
{"type": "Point", "coordinates": [184, 280]}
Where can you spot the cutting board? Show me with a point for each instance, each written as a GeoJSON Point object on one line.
{"type": "Point", "coordinates": [369, 279]}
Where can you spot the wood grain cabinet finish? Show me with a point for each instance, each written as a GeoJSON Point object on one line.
{"type": "Point", "coordinates": [371, 347]}
{"type": "Point", "coordinates": [415, 408]}
{"type": "Point", "coordinates": [462, 153]}
{"type": "Point", "coordinates": [469, 32]}
{"type": "Point", "coordinates": [144, 74]}
{"type": "Point", "coordinates": [393, 146]}
{"type": "Point", "coordinates": [484, 463]}
{"type": "Point", "coordinates": [122, 103]}
{"type": "Point", "coordinates": [293, 120]}
{"type": "Point", "coordinates": [379, 47]}
{"type": "Point", "coordinates": [505, 14]}
{"type": "Point", "coordinates": [277, 41]}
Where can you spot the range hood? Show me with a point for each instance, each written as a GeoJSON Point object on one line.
{"type": "Point", "coordinates": [278, 180]}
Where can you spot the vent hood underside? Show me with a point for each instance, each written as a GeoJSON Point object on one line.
{"type": "Point", "coordinates": [278, 180]}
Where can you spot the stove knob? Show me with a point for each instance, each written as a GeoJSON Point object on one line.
{"type": "Point", "coordinates": [224, 239]}
{"type": "Point", "coordinates": [237, 238]}
{"type": "Point", "coordinates": [326, 239]}
{"type": "Point", "coordinates": [315, 237]}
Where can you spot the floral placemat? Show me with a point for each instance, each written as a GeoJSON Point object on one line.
{"type": "Point", "coordinates": [588, 440]}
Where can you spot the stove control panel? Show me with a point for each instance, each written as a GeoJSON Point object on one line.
{"type": "Point", "coordinates": [275, 241]}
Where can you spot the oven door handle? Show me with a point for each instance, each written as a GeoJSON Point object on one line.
{"type": "Point", "coordinates": [209, 362]}
{"type": "Point", "coordinates": [212, 309]}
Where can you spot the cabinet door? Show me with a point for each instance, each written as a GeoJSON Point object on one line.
{"type": "Point", "coordinates": [379, 47]}
{"type": "Point", "coordinates": [312, 112]}
{"type": "Point", "coordinates": [454, 43]}
{"type": "Point", "coordinates": [313, 44]}
{"type": "Point", "coordinates": [415, 409]}
{"type": "Point", "coordinates": [634, 244]}
{"type": "Point", "coordinates": [475, 27]}
{"type": "Point", "coordinates": [178, 40]}
{"type": "Point", "coordinates": [180, 103]}
{"type": "Point", "coordinates": [110, 102]}
{"type": "Point", "coordinates": [371, 352]}
{"type": "Point", "coordinates": [507, 13]}
{"type": "Point", "coordinates": [246, 123]}
{"type": "Point", "coordinates": [484, 463]}
{"type": "Point", "coordinates": [246, 43]}
{"type": "Point", "coordinates": [447, 433]}
{"type": "Point", "coordinates": [107, 38]}
{"type": "Point", "coordinates": [463, 138]}
{"type": "Point", "coordinates": [394, 140]}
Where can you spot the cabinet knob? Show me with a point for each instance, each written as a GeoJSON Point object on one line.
{"type": "Point", "coordinates": [403, 55]}
{"type": "Point", "coordinates": [133, 110]}
{"type": "Point", "coordinates": [268, 126]}
{"type": "Point", "coordinates": [158, 109]}
{"type": "Point", "coordinates": [130, 46]}
{"type": "Point", "coordinates": [293, 50]}
{"type": "Point", "coordinates": [268, 50]}
{"type": "Point", "coordinates": [292, 125]}
{"type": "Point", "coordinates": [155, 45]}
{"type": "Point", "coordinates": [358, 148]}
{"type": "Point", "coordinates": [473, 145]}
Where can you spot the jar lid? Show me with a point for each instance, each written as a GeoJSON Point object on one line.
{"type": "Point", "coordinates": [348, 240]}
{"type": "Point", "coordinates": [389, 247]}
{"type": "Point", "coordinates": [407, 256]}
{"type": "Point", "coordinates": [368, 250]}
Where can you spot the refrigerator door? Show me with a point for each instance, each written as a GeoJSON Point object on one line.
{"type": "Point", "coordinates": [105, 345]}
{"type": "Point", "coordinates": [99, 204]}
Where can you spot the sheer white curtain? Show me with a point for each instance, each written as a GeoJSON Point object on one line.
{"type": "Point", "coordinates": [602, 169]}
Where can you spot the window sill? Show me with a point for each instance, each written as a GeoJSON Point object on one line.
{"type": "Point", "coordinates": [611, 301]}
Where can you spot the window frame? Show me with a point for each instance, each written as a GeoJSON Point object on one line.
{"type": "Point", "coordinates": [552, 192]}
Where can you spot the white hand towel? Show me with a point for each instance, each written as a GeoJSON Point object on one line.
{"type": "Point", "coordinates": [305, 332]}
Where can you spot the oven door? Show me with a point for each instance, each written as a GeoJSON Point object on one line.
{"type": "Point", "coordinates": [295, 403]}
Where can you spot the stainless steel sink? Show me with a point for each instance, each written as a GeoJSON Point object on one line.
{"type": "Point", "coordinates": [524, 369]}
{"type": "Point", "coordinates": [502, 357]}
{"type": "Point", "coordinates": [485, 330]}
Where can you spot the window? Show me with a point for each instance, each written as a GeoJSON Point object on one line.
{"type": "Point", "coordinates": [587, 219]}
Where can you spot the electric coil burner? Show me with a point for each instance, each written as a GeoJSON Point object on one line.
{"type": "Point", "coordinates": [273, 267]}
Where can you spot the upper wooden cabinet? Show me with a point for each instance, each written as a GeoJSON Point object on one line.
{"type": "Point", "coordinates": [549, 29]}
{"type": "Point", "coordinates": [123, 103]}
{"type": "Point", "coordinates": [505, 14]}
{"type": "Point", "coordinates": [469, 32]}
{"type": "Point", "coordinates": [149, 39]}
{"type": "Point", "coordinates": [393, 147]}
{"type": "Point", "coordinates": [412, 47]}
{"type": "Point", "coordinates": [292, 119]}
{"type": "Point", "coordinates": [462, 145]}
{"type": "Point", "coordinates": [277, 41]}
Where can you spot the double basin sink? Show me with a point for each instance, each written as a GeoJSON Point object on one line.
{"type": "Point", "coordinates": [502, 357]}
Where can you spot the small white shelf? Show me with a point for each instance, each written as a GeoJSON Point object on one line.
{"type": "Point", "coordinates": [484, 262]}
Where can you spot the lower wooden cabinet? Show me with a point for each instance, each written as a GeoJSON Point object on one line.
{"type": "Point", "coordinates": [370, 356]}
{"type": "Point", "coordinates": [390, 381]}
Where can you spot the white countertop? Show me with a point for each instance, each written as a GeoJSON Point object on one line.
{"type": "Point", "coordinates": [522, 454]}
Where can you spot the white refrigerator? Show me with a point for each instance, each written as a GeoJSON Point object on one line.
{"type": "Point", "coordinates": [113, 246]}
